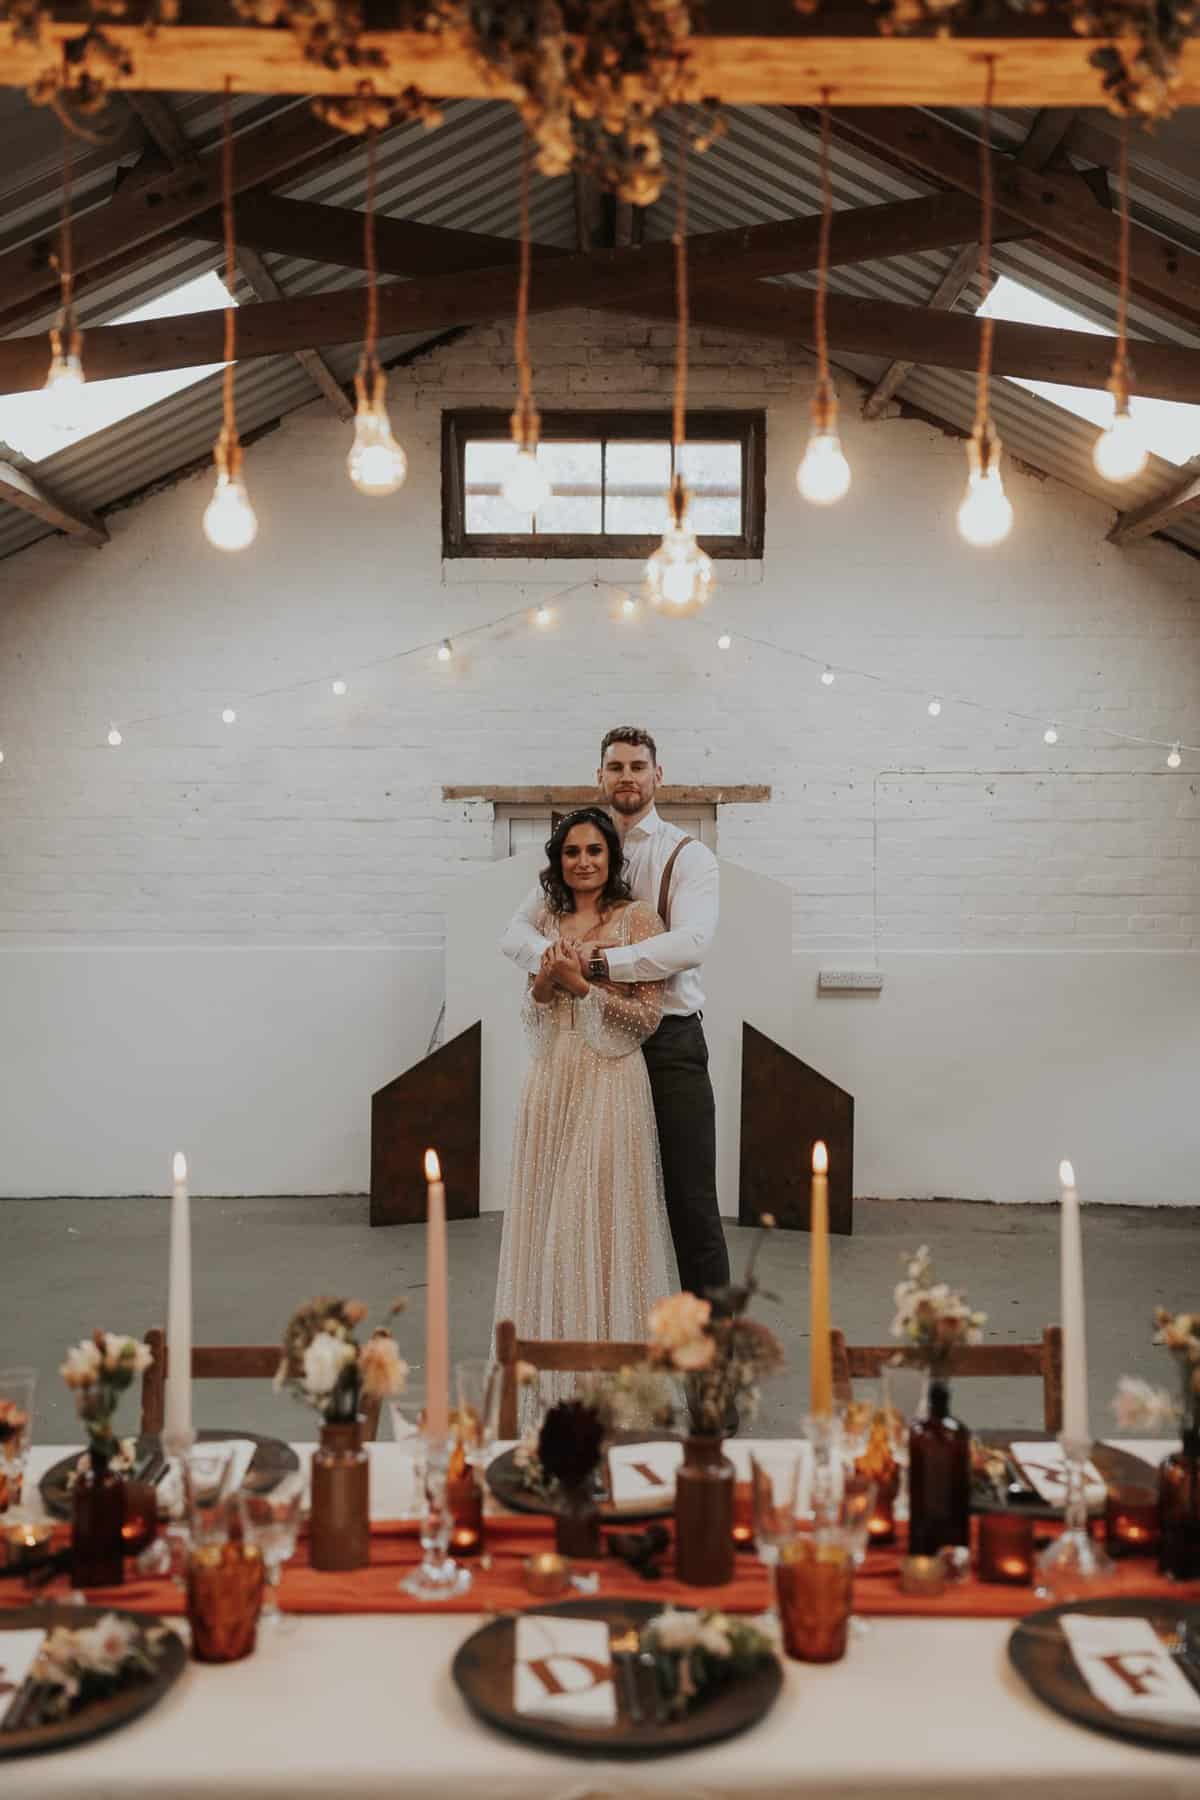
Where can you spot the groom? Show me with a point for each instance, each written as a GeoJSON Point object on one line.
{"type": "Point", "coordinates": [678, 876]}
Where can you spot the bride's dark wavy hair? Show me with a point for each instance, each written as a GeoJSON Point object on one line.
{"type": "Point", "coordinates": [559, 897]}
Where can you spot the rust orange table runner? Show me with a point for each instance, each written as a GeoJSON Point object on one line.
{"type": "Point", "coordinates": [499, 1585]}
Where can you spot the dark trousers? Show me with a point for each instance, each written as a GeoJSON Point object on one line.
{"type": "Point", "coordinates": [677, 1059]}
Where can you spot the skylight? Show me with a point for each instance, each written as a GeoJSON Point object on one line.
{"type": "Point", "coordinates": [26, 423]}
{"type": "Point", "coordinates": [1171, 429]}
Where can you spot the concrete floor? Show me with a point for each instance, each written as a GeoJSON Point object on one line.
{"type": "Point", "coordinates": [69, 1265]}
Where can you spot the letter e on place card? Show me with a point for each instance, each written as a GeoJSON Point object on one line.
{"type": "Point", "coordinates": [18, 1652]}
{"type": "Point", "coordinates": [1129, 1669]}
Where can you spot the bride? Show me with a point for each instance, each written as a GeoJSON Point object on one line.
{"type": "Point", "coordinates": [586, 1250]}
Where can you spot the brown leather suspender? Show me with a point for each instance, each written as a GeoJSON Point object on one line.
{"type": "Point", "coordinates": [664, 886]}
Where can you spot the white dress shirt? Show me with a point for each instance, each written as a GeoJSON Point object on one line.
{"type": "Point", "coordinates": [674, 956]}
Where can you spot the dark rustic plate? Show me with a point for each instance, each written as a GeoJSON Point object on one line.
{"type": "Point", "coordinates": [273, 1459]}
{"type": "Point", "coordinates": [102, 1715]}
{"type": "Point", "coordinates": [483, 1674]}
{"type": "Point", "coordinates": [1040, 1653]}
{"type": "Point", "coordinates": [504, 1479]}
{"type": "Point", "coordinates": [1118, 1467]}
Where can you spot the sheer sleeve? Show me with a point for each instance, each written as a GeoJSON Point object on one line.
{"type": "Point", "coordinates": [537, 1017]}
{"type": "Point", "coordinates": [614, 1020]}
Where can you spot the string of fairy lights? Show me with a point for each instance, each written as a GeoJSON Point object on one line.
{"type": "Point", "coordinates": [679, 576]}
{"type": "Point", "coordinates": [626, 608]}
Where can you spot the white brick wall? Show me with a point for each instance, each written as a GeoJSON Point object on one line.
{"type": "Point", "coordinates": [320, 820]}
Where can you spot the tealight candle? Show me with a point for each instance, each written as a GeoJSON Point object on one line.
{"type": "Point", "coordinates": [1006, 1549]}
{"type": "Point", "coordinates": [924, 1575]}
{"type": "Point", "coordinates": [743, 1516]}
{"type": "Point", "coordinates": [464, 1497]}
{"type": "Point", "coordinates": [26, 1544]}
{"type": "Point", "coordinates": [547, 1574]}
{"type": "Point", "coordinates": [1131, 1521]}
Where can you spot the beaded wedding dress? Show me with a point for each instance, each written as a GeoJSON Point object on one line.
{"type": "Point", "coordinates": [586, 1249]}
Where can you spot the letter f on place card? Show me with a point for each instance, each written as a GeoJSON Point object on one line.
{"type": "Point", "coordinates": [18, 1653]}
{"type": "Point", "coordinates": [563, 1670]}
{"type": "Point", "coordinates": [1129, 1669]}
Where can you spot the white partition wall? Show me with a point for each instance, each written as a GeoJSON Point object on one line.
{"type": "Point", "coordinates": [747, 976]}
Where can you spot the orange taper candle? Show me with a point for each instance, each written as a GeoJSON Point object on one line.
{"type": "Point", "coordinates": [820, 1364]}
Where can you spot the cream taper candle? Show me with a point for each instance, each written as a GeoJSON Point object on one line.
{"type": "Point", "coordinates": [177, 1420]}
{"type": "Point", "coordinates": [1071, 1312]}
{"type": "Point", "coordinates": [437, 1307]}
{"type": "Point", "coordinates": [820, 1362]}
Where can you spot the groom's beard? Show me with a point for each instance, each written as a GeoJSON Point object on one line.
{"type": "Point", "coordinates": [629, 802]}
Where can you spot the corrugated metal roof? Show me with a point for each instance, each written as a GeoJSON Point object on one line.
{"type": "Point", "coordinates": [464, 175]}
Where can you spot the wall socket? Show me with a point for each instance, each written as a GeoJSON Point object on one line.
{"type": "Point", "coordinates": [850, 981]}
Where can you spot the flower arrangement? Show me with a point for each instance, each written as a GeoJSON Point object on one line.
{"type": "Point", "coordinates": [14, 1427]}
{"type": "Point", "coordinates": [1138, 1405]}
{"type": "Point", "coordinates": [324, 1364]}
{"type": "Point", "coordinates": [932, 1320]}
{"type": "Point", "coordinates": [697, 1650]}
{"type": "Point", "coordinates": [719, 1354]}
{"type": "Point", "coordinates": [98, 1370]}
{"type": "Point", "coordinates": [76, 1666]}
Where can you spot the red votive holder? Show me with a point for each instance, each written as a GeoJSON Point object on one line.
{"type": "Point", "coordinates": [1131, 1521]}
{"type": "Point", "coordinates": [881, 1526]}
{"type": "Point", "coordinates": [139, 1528]}
{"type": "Point", "coordinates": [464, 1497]}
{"type": "Point", "coordinates": [1005, 1552]}
{"type": "Point", "coordinates": [743, 1516]}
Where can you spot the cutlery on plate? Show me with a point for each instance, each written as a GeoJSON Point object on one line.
{"type": "Point", "coordinates": [624, 1649]}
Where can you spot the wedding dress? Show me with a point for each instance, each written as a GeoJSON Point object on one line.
{"type": "Point", "coordinates": [586, 1249]}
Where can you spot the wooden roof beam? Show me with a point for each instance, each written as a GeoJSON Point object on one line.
{"type": "Point", "coordinates": [1180, 500]}
{"type": "Point", "coordinates": [750, 52]}
{"type": "Point", "coordinates": [19, 488]}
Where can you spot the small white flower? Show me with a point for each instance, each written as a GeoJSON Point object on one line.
{"type": "Point", "coordinates": [677, 1631]}
{"type": "Point", "coordinates": [324, 1360]}
{"type": "Point", "coordinates": [82, 1365]}
{"type": "Point", "coordinates": [1139, 1406]}
{"type": "Point", "coordinates": [713, 1635]}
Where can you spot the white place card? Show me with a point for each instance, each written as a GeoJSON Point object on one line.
{"type": "Point", "coordinates": [18, 1652]}
{"type": "Point", "coordinates": [563, 1670]}
{"type": "Point", "coordinates": [1130, 1670]}
{"type": "Point", "coordinates": [643, 1475]}
{"type": "Point", "coordinates": [1045, 1468]}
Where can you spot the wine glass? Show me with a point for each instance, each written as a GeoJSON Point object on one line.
{"type": "Point", "coordinates": [207, 1471]}
{"type": "Point", "coordinates": [272, 1521]}
{"type": "Point", "coordinates": [478, 1382]}
{"type": "Point", "coordinates": [855, 1507]}
{"type": "Point", "coordinates": [775, 1487]}
{"type": "Point", "coordinates": [902, 1392]}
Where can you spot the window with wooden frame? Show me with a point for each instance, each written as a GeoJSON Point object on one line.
{"type": "Point", "coordinates": [609, 472]}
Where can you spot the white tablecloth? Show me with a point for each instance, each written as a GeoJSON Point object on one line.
{"type": "Point", "coordinates": [364, 1708]}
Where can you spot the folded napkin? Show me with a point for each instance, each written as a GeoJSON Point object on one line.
{"type": "Point", "coordinates": [643, 1475]}
{"type": "Point", "coordinates": [1045, 1468]}
{"type": "Point", "coordinates": [18, 1649]}
{"type": "Point", "coordinates": [1130, 1670]}
{"type": "Point", "coordinates": [563, 1670]}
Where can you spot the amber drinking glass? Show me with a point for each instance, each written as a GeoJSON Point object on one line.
{"type": "Point", "coordinates": [224, 1595]}
{"type": "Point", "coordinates": [814, 1587]}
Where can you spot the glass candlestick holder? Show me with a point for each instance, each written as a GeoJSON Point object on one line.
{"type": "Point", "coordinates": [438, 1576]}
{"type": "Point", "coordinates": [824, 1433]}
{"type": "Point", "coordinates": [1074, 1565]}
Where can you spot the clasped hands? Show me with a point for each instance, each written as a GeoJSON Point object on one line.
{"type": "Point", "coordinates": [563, 965]}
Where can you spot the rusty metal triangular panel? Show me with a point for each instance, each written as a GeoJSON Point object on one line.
{"type": "Point", "coordinates": [786, 1107]}
{"type": "Point", "coordinates": [433, 1104]}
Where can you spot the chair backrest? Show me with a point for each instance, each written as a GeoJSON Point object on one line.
{"type": "Point", "coordinates": [218, 1362]}
{"type": "Point", "coordinates": [1043, 1359]}
{"type": "Point", "coordinates": [557, 1355]}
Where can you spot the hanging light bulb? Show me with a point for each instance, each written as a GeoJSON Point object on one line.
{"type": "Point", "coordinates": [229, 519]}
{"type": "Point", "coordinates": [985, 515]}
{"type": "Point", "coordinates": [445, 650]}
{"type": "Point", "coordinates": [824, 474]}
{"type": "Point", "coordinates": [542, 616]}
{"type": "Point", "coordinates": [230, 522]}
{"type": "Point", "coordinates": [114, 736]}
{"type": "Point", "coordinates": [376, 462]}
{"type": "Point", "coordinates": [1174, 757]}
{"type": "Point", "coordinates": [228, 716]}
{"type": "Point", "coordinates": [724, 641]}
{"type": "Point", "coordinates": [679, 573]}
{"type": "Point", "coordinates": [1120, 452]}
{"type": "Point", "coordinates": [525, 487]}
{"type": "Point", "coordinates": [628, 606]}
{"type": "Point", "coordinates": [339, 686]}
{"type": "Point", "coordinates": [827, 676]}
{"type": "Point", "coordinates": [64, 387]}
{"type": "Point", "coordinates": [934, 709]}
{"type": "Point", "coordinates": [1050, 735]}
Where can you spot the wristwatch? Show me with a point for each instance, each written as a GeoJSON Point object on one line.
{"type": "Point", "coordinates": [597, 968]}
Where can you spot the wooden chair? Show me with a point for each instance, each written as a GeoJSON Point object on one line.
{"type": "Point", "coordinates": [218, 1362]}
{"type": "Point", "coordinates": [1043, 1360]}
{"type": "Point", "coordinates": [558, 1356]}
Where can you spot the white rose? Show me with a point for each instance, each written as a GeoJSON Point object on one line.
{"type": "Point", "coordinates": [713, 1636]}
{"type": "Point", "coordinates": [82, 1365]}
{"type": "Point", "coordinates": [324, 1361]}
{"type": "Point", "coordinates": [675, 1630]}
